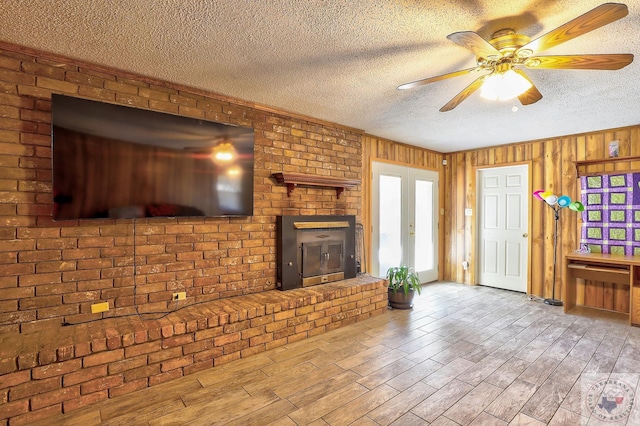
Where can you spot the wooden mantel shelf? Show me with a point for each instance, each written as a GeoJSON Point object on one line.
{"type": "Point", "coordinates": [295, 179]}
{"type": "Point", "coordinates": [581, 166]}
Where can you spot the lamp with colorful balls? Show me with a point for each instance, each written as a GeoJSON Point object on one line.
{"type": "Point", "coordinates": [556, 203]}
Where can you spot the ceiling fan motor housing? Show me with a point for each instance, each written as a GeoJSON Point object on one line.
{"type": "Point", "coordinates": [508, 42]}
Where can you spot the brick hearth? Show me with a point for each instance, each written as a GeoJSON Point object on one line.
{"type": "Point", "coordinates": [61, 369]}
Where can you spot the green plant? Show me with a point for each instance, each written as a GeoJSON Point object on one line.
{"type": "Point", "coordinates": [402, 277]}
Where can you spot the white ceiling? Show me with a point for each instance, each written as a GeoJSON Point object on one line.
{"type": "Point", "coordinates": [341, 60]}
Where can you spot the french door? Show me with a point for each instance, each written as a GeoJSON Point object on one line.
{"type": "Point", "coordinates": [404, 220]}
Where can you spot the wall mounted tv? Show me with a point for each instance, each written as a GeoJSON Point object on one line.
{"type": "Point", "coordinates": [115, 161]}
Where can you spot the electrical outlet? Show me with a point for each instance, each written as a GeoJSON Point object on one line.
{"type": "Point", "coordinates": [181, 295]}
{"type": "Point", "coordinates": [99, 307]}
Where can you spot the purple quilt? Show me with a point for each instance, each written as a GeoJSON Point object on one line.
{"type": "Point", "coordinates": [611, 219]}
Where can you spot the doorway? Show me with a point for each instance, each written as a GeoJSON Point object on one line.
{"type": "Point", "coordinates": [503, 246]}
{"type": "Point", "coordinates": [404, 219]}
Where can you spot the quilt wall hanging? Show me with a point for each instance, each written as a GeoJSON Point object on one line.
{"type": "Point", "coordinates": [611, 220]}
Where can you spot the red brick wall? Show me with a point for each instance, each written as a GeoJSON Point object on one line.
{"type": "Point", "coordinates": [52, 272]}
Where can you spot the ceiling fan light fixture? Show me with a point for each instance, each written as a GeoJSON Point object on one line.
{"type": "Point", "coordinates": [503, 86]}
{"type": "Point", "coordinates": [507, 49]}
{"type": "Point", "coordinates": [223, 153]}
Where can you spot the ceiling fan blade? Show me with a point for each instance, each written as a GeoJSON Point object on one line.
{"type": "Point", "coordinates": [464, 94]}
{"type": "Point", "coordinates": [475, 43]}
{"type": "Point", "coordinates": [437, 78]}
{"type": "Point", "coordinates": [581, 62]}
{"type": "Point", "coordinates": [595, 18]}
{"type": "Point", "coordinates": [532, 95]}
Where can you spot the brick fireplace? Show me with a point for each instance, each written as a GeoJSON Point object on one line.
{"type": "Point", "coordinates": [52, 272]}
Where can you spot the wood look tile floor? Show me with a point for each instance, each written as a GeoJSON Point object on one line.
{"type": "Point", "coordinates": [462, 356]}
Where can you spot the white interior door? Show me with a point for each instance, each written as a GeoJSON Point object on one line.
{"type": "Point", "coordinates": [405, 220]}
{"type": "Point", "coordinates": [503, 203]}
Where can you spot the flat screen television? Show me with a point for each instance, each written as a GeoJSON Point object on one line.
{"type": "Point", "coordinates": [115, 161]}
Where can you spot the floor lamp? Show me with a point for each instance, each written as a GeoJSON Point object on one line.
{"type": "Point", "coordinates": [556, 203]}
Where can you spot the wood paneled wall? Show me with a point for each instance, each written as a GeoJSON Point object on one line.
{"type": "Point", "coordinates": [384, 150]}
{"type": "Point", "coordinates": [552, 167]}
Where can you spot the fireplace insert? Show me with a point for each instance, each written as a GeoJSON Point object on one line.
{"type": "Point", "coordinates": [314, 250]}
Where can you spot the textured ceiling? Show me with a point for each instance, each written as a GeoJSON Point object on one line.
{"type": "Point", "coordinates": [341, 60]}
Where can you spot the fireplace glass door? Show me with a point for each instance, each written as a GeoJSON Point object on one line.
{"type": "Point", "coordinates": [321, 258]}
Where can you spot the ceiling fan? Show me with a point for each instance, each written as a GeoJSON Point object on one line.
{"type": "Point", "coordinates": [507, 51]}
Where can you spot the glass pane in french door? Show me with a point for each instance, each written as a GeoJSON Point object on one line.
{"type": "Point", "coordinates": [424, 230]}
{"type": "Point", "coordinates": [390, 223]}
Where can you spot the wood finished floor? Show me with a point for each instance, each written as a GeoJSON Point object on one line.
{"type": "Point", "coordinates": [462, 356]}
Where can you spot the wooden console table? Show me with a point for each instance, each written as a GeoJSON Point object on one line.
{"type": "Point", "coordinates": [610, 268]}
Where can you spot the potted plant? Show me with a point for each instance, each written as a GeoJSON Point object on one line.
{"type": "Point", "coordinates": [403, 285]}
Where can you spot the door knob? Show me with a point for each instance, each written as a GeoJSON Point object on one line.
{"type": "Point", "coordinates": [525, 235]}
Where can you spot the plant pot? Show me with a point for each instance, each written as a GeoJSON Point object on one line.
{"type": "Point", "coordinates": [400, 300]}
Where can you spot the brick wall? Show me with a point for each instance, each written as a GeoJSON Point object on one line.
{"type": "Point", "coordinates": [51, 272]}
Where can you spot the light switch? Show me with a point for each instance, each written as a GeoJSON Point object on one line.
{"type": "Point", "coordinates": [468, 212]}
